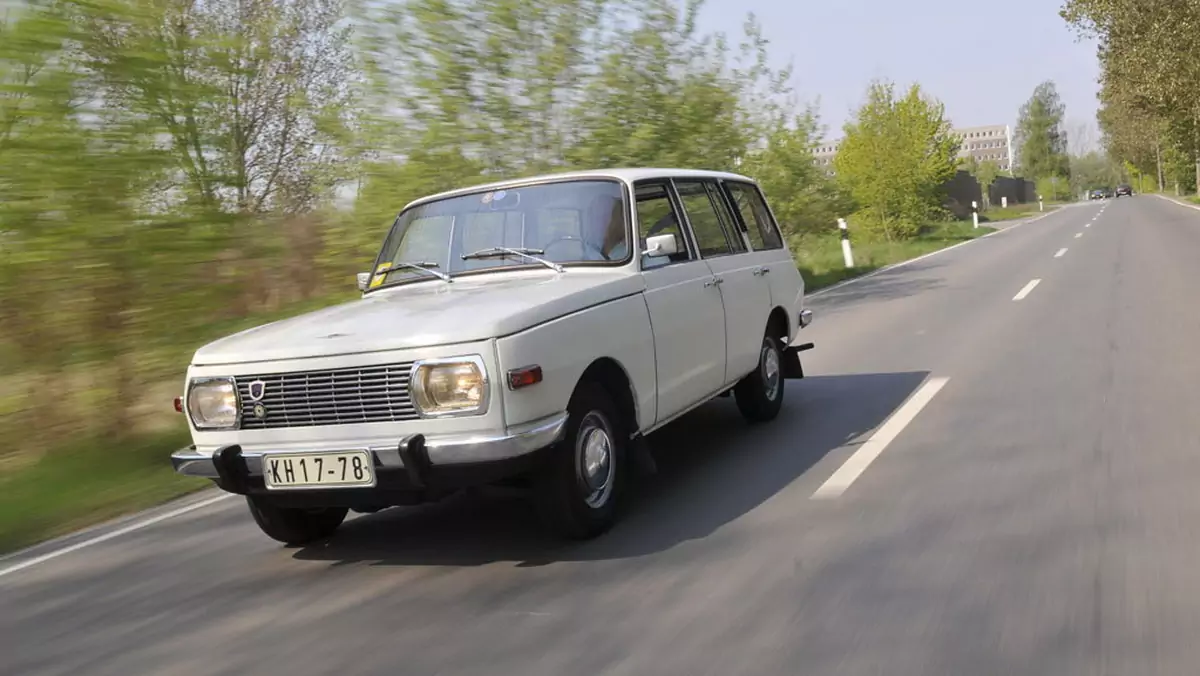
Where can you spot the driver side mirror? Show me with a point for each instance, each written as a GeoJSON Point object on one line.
{"type": "Point", "coordinates": [661, 245]}
{"type": "Point", "coordinates": [364, 279]}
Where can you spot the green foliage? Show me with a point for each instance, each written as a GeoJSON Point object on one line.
{"type": "Point", "coordinates": [894, 159]}
{"type": "Point", "coordinates": [1041, 140]}
{"type": "Point", "coordinates": [805, 199]}
{"type": "Point", "coordinates": [1149, 70]}
{"type": "Point", "coordinates": [1094, 170]}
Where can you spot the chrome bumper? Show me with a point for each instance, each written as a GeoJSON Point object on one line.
{"type": "Point", "coordinates": [443, 450]}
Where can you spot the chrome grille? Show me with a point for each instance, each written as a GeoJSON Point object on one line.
{"type": "Point", "coordinates": [334, 397]}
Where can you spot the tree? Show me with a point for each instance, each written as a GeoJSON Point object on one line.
{"type": "Point", "coordinates": [1041, 140]}
{"type": "Point", "coordinates": [1148, 49]}
{"type": "Point", "coordinates": [895, 158]}
{"type": "Point", "coordinates": [986, 174]}
{"type": "Point", "coordinates": [805, 199]}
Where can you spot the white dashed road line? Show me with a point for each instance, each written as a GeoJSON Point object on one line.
{"type": "Point", "coordinates": [1060, 253]}
{"type": "Point", "coordinates": [1078, 235]}
{"type": "Point", "coordinates": [1027, 289]}
{"type": "Point", "coordinates": [856, 464]}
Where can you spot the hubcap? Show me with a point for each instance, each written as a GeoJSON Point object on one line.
{"type": "Point", "coordinates": [594, 459]}
{"type": "Point", "coordinates": [770, 371]}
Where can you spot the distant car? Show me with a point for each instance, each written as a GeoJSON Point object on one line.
{"type": "Point", "coordinates": [1096, 195]}
{"type": "Point", "coordinates": [1124, 189]}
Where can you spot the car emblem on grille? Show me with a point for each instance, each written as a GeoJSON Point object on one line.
{"type": "Point", "coordinates": [257, 389]}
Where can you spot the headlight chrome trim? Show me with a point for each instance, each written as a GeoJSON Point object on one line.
{"type": "Point", "coordinates": [485, 384]}
{"type": "Point", "coordinates": [237, 402]}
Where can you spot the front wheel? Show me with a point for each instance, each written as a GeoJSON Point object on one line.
{"type": "Point", "coordinates": [759, 395]}
{"type": "Point", "coordinates": [294, 526]}
{"type": "Point", "coordinates": [577, 490]}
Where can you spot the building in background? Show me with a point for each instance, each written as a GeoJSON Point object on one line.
{"type": "Point", "coordinates": [824, 153]}
{"type": "Point", "coordinates": [990, 143]}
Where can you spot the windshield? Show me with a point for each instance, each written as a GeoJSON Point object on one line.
{"type": "Point", "coordinates": [571, 223]}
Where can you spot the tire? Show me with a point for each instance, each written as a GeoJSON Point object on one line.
{"type": "Point", "coordinates": [571, 503]}
{"type": "Point", "coordinates": [293, 526]}
{"type": "Point", "coordinates": [759, 395]}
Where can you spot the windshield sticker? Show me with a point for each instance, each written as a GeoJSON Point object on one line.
{"type": "Point", "coordinates": [378, 278]}
{"type": "Point", "coordinates": [487, 198]}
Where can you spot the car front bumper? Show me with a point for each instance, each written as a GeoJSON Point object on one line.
{"type": "Point", "coordinates": [437, 451]}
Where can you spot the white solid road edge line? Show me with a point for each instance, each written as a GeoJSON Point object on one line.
{"type": "Point", "coordinates": [1027, 289]}
{"type": "Point", "coordinates": [1060, 253]}
{"type": "Point", "coordinates": [857, 463]}
{"type": "Point", "coordinates": [888, 268]}
{"type": "Point", "coordinates": [110, 535]}
{"type": "Point", "coordinates": [1175, 201]}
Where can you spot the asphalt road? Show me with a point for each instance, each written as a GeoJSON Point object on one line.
{"type": "Point", "coordinates": [1037, 514]}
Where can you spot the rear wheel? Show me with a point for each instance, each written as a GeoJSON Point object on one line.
{"type": "Point", "coordinates": [759, 395]}
{"type": "Point", "coordinates": [294, 526]}
{"type": "Point", "coordinates": [578, 489]}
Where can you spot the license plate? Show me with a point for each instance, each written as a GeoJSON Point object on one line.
{"type": "Point", "coordinates": [334, 469]}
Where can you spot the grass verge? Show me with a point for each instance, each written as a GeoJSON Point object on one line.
{"type": "Point", "coordinates": [72, 488]}
{"type": "Point", "coordinates": [1011, 213]}
{"type": "Point", "coordinates": [821, 263]}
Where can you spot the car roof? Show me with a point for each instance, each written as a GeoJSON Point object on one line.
{"type": "Point", "coordinates": [622, 174]}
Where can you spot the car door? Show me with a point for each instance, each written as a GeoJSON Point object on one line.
{"type": "Point", "coordinates": [745, 291]}
{"type": "Point", "coordinates": [686, 313]}
{"type": "Point", "coordinates": [769, 250]}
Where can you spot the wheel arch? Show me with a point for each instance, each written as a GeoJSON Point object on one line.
{"type": "Point", "coordinates": [778, 323]}
{"type": "Point", "coordinates": [612, 376]}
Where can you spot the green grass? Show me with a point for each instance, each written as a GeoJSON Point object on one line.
{"type": "Point", "coordinates": [821, 263]}
{"type": "Point", "coordinates": [72, 488]}
{"type": "Point", "coordinates": [1001, 214]}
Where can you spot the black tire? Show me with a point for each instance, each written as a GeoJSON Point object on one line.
{"type": "Point", "coordinates": [293, 526]}
{"type": "Point", "coordinates": [759, 395]}
{"type": "Point", "coordinates": [568, 505]}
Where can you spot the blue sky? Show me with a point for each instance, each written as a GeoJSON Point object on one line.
{"type": "Point", "coordinates": [982, 59]}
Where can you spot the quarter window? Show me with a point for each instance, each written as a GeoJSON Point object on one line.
{"type": "Point", "coordinates": [759, 224]}
{"type": "Point", "coordinates": [706, 225]}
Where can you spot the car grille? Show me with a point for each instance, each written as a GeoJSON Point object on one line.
{"type": "Point", "coordinates": [334, 397]}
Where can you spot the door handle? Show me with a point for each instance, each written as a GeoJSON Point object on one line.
{"type": "Point", "coordinates": [761, 271]}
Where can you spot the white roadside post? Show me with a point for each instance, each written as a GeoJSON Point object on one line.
{"type": "Point", "coordinates": [1004, 202]}
{"type": "Point", "coordinates": [846, 253]}
{"type": "Point", "coordinates": [975, 213]}
{"type": "Point", "coordinates": [1041, 206]}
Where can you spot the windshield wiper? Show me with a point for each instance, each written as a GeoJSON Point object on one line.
{"type": "Point", "coordinates": [503, 251]}
{"type": "Point", "coordinates": [421, 266]}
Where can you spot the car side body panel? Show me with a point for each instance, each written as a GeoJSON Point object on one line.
{"type": "Point", "coordinates": [564, 348]}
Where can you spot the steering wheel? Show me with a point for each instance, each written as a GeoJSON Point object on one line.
{"type": "Point", "coordinates": [572, 238]}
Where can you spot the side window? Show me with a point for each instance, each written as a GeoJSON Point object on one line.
{"type": "Point", "coordinates": [759, 225]}
{"type": "Point", "coordinates": [706, 225]}
{"type": "Point", "coordinates": [726, 216]}
{"type": "Point", "coordinates": [656, 216]}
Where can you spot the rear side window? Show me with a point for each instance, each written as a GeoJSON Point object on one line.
{"type": "Point", "coordinates": [710, 234]}
{"type": "Point", "coordinates": [759, 225]}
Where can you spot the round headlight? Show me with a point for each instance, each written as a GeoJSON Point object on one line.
{"type": "Point", "coordinates": [212, 403]}
{"type": "Point", "coordinates": [446, 387]}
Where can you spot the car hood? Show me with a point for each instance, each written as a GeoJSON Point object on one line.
{"type": "Point", "coordinates": [424, 314]}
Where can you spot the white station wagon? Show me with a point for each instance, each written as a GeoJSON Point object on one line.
{"type": "Point", "coordinates": [532, 330]}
